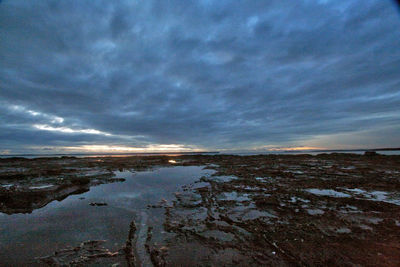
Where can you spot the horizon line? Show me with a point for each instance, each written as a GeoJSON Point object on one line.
{"type": "Point", "coordinates": [200, 152]}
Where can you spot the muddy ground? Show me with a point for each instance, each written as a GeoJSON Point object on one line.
{"type": "Point", "coordinates": [267, 210]}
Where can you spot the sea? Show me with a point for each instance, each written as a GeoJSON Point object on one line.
{"type": "Point", "coordinates": [252, 153]}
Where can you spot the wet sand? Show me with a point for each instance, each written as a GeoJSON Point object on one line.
{"type": "Point", "coordinates": [199, 210]}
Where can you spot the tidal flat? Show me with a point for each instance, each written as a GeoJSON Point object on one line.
{"type": "Point", "coordinates": [201, 210]}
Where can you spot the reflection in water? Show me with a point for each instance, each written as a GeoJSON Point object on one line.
{"type": "Point", "coordinates": [72, 220]}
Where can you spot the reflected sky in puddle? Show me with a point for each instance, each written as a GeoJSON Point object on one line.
{"type": "Point", "coordinates": [71, 221]}
{"type": "Point", "coordinates": [326, 192]}
{"type": "Point", "coordinates": [393, 198]}
{"type": "Point", "coordinates": [235, 196]}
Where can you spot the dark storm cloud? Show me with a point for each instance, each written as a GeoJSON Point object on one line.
{"type": "Point", "coordinates": [213, 74]}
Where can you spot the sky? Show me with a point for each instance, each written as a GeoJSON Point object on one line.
{"type": "Point", "coordinates": [154, 76]}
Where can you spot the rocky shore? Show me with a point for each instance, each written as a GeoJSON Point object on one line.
{"type": "Point", "coordinates": [266, 210]}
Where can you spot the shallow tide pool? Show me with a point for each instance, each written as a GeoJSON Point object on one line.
{"type": "Point", "coordinates": [60, 224]}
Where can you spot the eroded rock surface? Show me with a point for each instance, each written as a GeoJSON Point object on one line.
{"type": "Point", "coordinates": [267, 210]}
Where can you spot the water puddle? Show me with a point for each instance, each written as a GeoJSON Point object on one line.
{"type": "Point", "coordinates": [41, 186]}
{"type": "Point", "coordinates": [377, 195]}
{"type": "Point", "coordinates": [234, 196]}
{"type": "Point", "coordinates": [343, 230]}
{"type": "Point", "coordinates": [315, 211]}
{"type": "Point", "coordinates": [326, 192]}
{"type": "Point", "coordinates": [73, 220]}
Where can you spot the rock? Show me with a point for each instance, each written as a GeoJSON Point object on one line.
{"type": "Point", "coordinates": [370, 153]}
{"type": "Point", "coordinates": [98, 204]}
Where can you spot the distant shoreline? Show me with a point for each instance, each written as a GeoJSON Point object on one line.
{"type": "Point", "coordinates": [107, 154]}
{"type": "Point", "coordinates": [199, 153]}
{"type": "Point", "coordinates": [367, 149]}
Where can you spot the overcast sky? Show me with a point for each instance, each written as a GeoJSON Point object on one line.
{"type": "Point", "coordinates": [181, 75]}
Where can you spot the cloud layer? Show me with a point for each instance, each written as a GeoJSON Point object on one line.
{"type": "Point", "coordinates": [199, 74]}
